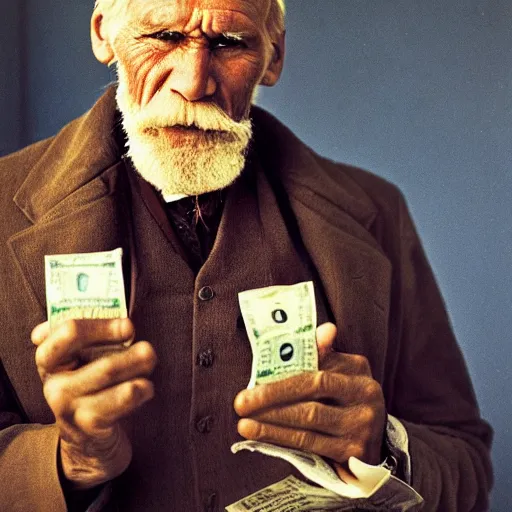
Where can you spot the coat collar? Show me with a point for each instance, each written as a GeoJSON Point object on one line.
{"type": "Point", "coordinates": [79, 154]}
{"type": "Point", "coordinates": [87, 147]}
{"type": "Point", "coordinates": [307, 176]}
{"type": "Point", "coordinates": [73, 196]}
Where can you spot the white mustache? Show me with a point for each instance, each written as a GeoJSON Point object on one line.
{"type": "Point", "coordinates": [160, 113]}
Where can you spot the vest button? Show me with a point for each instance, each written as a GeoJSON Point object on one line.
{"type": "Point", "coordinates": [206, 293]}
{"type": "Point", "coordinates": [204, 425]}
{"type": "Point", "coordinates": [205, 358]}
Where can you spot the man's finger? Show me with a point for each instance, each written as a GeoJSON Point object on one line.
{"type": "Point", "coordinates": [346, 364]}
{"type": "Point", "coordinates": [98, 412]}
{"type": "Point", "coordinates": [137, 361]}
{"type": "Point", "coordinates": [64, 343]}
{"type": "Point", "coordinates": [335, 448]}
{"type": "Point", "coordinates": [314, 416]}
{"type": "Point", "coordinates": [345, 474]}
{"type": "Point", "coordinates": [330, 360]}
{"type": "Point", "coordinates": [40, 333]}
{"type": "Point", "coordinates": [306, 387]}
{"type": "Point", "coordinates": [325, 337]}
{"type": "Point", "coordinates": [350, 422]}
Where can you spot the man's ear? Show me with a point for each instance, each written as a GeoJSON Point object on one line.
{"type": "Point", "coordinates": [275, 66]}
{"type": "Point", "coordinates": [100, 42]}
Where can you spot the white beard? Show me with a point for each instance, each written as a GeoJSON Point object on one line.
{"type": "Point", "coordinates": [179, 161]}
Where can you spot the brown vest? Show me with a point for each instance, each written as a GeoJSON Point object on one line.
{"type": "Point", "coordinates": [182, 459]}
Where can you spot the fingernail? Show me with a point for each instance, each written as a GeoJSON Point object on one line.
{"type": "Point", "coordinates": [240, 401]}
{"type": "Point", "coordinates": [245, 427]}
{"type": "Point", "coordinates": [124, 328]}
{"type": "Point", "coordinates": [39, 333]}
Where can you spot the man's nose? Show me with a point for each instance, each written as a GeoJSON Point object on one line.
{"type": "Point", "coordinates": [191, 75]}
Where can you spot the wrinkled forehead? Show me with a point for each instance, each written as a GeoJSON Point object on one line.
{"type": "Point", "coordinates": [174, 11]}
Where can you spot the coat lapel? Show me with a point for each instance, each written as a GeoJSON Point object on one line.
{"type": "Point", "coordinates": [73, 196]}
{"type": "Point", "coordinates": [89, 220]}
{"type": "Point", "coordinates": [75, 200]}
{"type": "Point", "coordinates": [356, 278]}
{"type": "Point", "coordinates": [335, 217]}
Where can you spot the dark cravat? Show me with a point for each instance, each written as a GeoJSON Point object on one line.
{"type": "Point", "coordinates": [196, 221]}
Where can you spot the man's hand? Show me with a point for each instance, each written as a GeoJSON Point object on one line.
{"type": "Point", "coordinates": [88, 400]}
{"type": "Point", "coordinates": [337, 412]}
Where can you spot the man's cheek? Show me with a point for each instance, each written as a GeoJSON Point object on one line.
{"type": "Point", "coordinates": [241, 102]}
{"type": "Point", "coordinates": [151, 76]}
{"type": "Point", "coordinates": [247, 78]}
{"type": "Point", "coordinates": [144, 71]}
{"type": "Point", "coordinates": [233, 94]}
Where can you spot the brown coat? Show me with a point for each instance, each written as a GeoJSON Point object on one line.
{"type": "Point", "coordinates": [70, 194]}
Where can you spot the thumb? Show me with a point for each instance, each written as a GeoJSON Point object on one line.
{"type": "Point", "coordinates": [325, 336]}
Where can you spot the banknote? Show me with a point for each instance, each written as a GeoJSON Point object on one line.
{"type": "Point", "coordinates": [281, 326]}
{"type": "Point", "coordinates": [88, 285]}
{"type": "Point", "coordinates": [289, 495]}
{"type": "Point", "coordinates": [316, 469]}
{"type": "Point", "coordinates": [294, 495]}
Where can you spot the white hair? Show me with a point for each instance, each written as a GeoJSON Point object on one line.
{"type": "Point", "coordinates": [275, 19]}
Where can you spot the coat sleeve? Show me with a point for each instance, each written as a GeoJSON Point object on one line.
{"type": "Point", "coordinates": [29, 479]}
{"type": "Point", "coordinates": [29, 469]}
{"type": "Point", "coordinates": [449, 443]}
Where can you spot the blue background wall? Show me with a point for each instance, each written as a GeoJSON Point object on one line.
{"type": "Point", "coordinates": [418, 91]}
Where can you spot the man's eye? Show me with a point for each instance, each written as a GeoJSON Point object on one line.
{"type": "Point", "coordinates": [226, 42]}
{"type": "Point", "coordinates": [168, 37]}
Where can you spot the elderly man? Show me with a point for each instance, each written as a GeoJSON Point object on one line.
{"type": "Point", "coordinates": [209, 196]}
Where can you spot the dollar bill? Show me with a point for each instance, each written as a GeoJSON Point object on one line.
{"type": "Point", "coordinates": [294, 495]}
{"type": "Point", "coordinates": [316, 469]}
{"type": "Point", "coordinates": [281, 326]}
{"type": "Point", "coordinates": [288, 495]}
{"type": "Point", "coordinates": [88, 285]}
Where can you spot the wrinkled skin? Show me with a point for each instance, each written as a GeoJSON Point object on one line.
{"type": "Point", "coordinates": [88, 400]}
{"type": "Point", "coordinates": [181, 48]}
{"type": "Point", "coordinates": [337, 412]}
